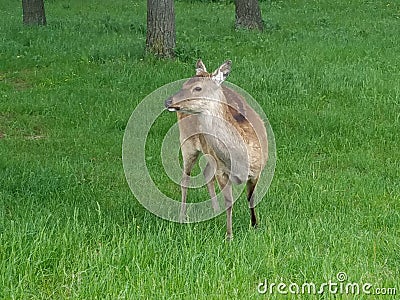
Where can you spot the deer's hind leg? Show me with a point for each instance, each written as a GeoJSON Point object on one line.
{"type": "Point", "coordinates": [208, 173]}
{"type": "Point", "coordinates": [226, 188]}
{"type": "Point", "coordinates": [251, 184]}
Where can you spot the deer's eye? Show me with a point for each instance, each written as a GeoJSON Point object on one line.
{"type": "Point", "coordinates": [197, 89]}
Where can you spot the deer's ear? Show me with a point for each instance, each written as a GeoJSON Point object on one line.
{"type": "Point", "coordinates": [200, 67]}
{"type": "Point", "coordinates": [222, 72]}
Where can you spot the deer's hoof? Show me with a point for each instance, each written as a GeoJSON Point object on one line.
{"type": "Point", "coordinates": [229, 237]}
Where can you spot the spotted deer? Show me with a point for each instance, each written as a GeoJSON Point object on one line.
{"type": "Point", "coordinates": [217, 121]}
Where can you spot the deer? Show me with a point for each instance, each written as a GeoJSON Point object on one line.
{"type": "Point", "coordinates": [216, 121]}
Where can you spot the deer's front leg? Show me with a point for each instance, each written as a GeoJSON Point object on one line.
{"type": "Point", "coordinates": [189, 159]}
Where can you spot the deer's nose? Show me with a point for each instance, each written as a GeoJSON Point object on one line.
{"type": "Point", "coordinates": [168, 102]}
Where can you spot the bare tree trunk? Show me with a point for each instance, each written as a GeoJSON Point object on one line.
{"type": "Point", "coordinates": [248, 14]}
{"type": "Point", "coordinates": [33, 12]}
{"type": "Point", "coordinates": [160, 38]}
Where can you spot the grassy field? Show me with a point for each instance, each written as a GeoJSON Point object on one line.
{"type": "Point", "coordinates": [325, 72]}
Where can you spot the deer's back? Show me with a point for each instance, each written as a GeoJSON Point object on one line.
{"type": "Point", "coordinates": [249, 124]}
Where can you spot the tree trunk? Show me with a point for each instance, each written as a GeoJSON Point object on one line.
{"type": "Point", "coordinates": [248, 14]}
{"type": "Point", "coordinates": [160, 38]}
{"type": "Point", "coordinates": [33, 12]}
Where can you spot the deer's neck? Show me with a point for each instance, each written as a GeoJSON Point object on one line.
{"type": "Point", "coordinates": [222, 136]}
{"type": "Point", "coordinates": [217, 118]}
{"type": "Point", "coordinates": [218, 107]}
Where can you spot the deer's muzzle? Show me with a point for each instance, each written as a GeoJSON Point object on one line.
{"type": "Point", "coordinates": [168, 105]}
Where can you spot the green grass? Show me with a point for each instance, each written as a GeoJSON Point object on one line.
{"type": "Point", "coordinates": [326, 74]}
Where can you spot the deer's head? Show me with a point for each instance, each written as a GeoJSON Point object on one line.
{"type": "Point", "coordinates": [202, 92]}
